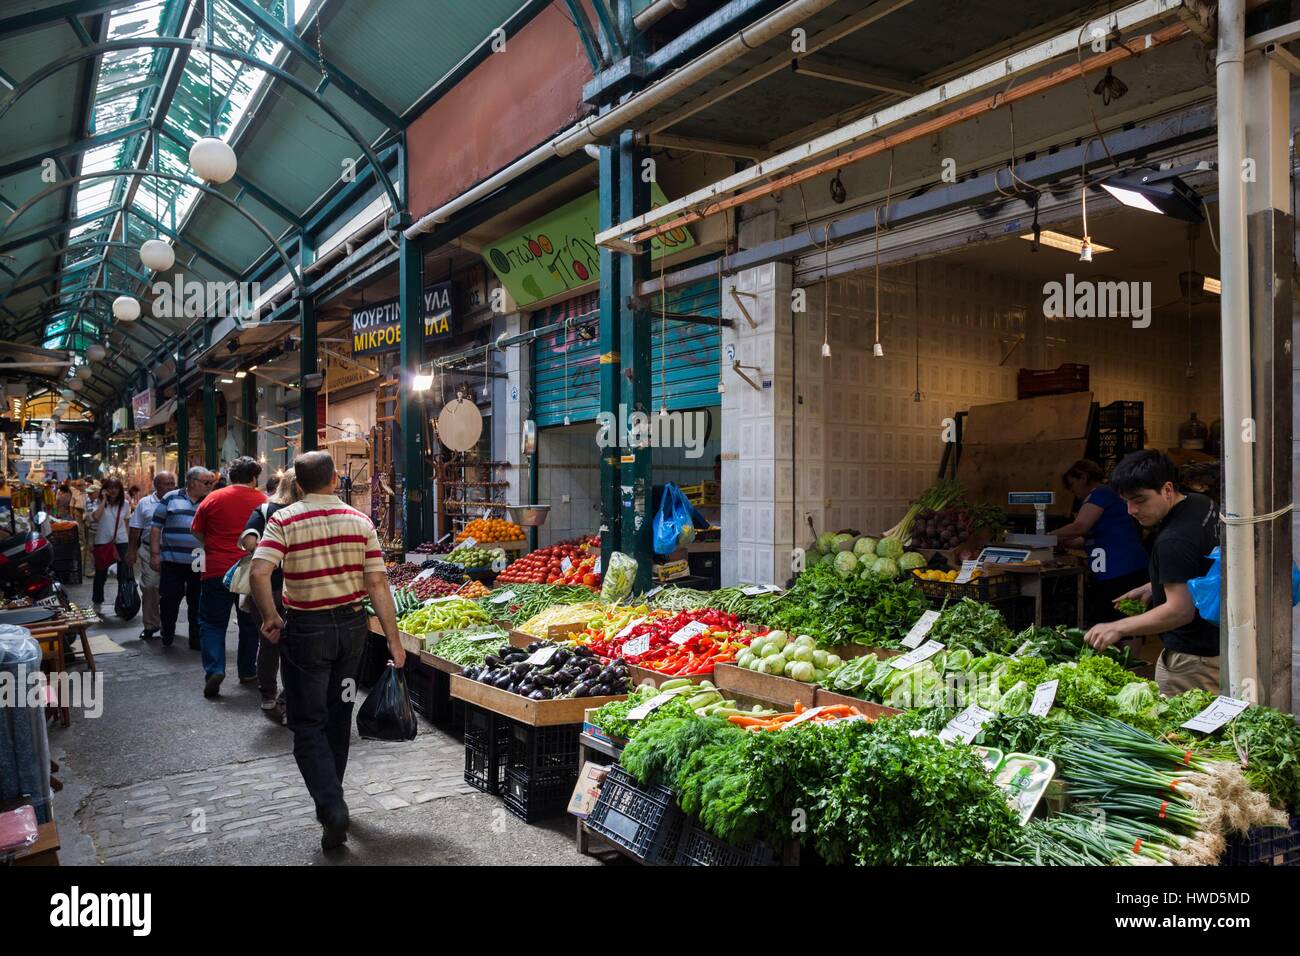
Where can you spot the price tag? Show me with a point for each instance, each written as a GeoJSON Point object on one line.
{"type": "Point", "coordinates": [637, 645]}
{"type": "Point", "coordinates": [426, 573]}
{"type": "Point", "coordinates": [967, 569]}
{"type": "Point", "coordinates": [445, 538]}
{"type": "Point", "coordinates": [645, 709]}
{"type": "Point", "coordinates": [467, 543]}
{"type": "Point", "coordinates": [652, 592]}
{"type": "Point", "coordinates": [566, 564]}
{"type": "Point", "coordinates": [1217, 714]}
{"type": "Point", "coordinates": [921, 628]}
{"type": "Point", "coordinates": [1044, 697]}
{"type": "Point", "coordinates": [808, 714]}
{"type": "Point", "coordinates": [439, 600]}
{"type": "Point", "coordinates": [486, 636]}
{"type": "Point", "coordinates": [595, 568]}
{"type": "Point", "coordinates": [542, 657]}
{"type": "Point", "coordinates": [501, 598]}
{"type": "Point", "coordinates": [692, 629]}
{"type": "Point", "coordinates": [966, 725]}
{"type": "Point", "coordinates": [628, 630]}
{"type": "Point", "coordinates": [1022, 648]}
{"type": "Point", "coordinates": [754, 590]}
{"type": "Point", "coordinates": [912, 658]}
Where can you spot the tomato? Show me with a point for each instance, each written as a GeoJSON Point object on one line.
{"type": "Point", "coordinates": [589, 580]}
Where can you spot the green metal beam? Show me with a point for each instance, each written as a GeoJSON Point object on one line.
{"type": "Point", "coordinates": [210, 449]}
{"type": "Point", "coordinates": [37, 157]}
{"type": "Point", "coordinates": [248, 412]}
{"type": "Point", "coordinates": [182, 434]}
{"type": "Point", "coordinates": [611, 516]}
{"type": "Point", "coordinates": [42, 233]}
{"type": "Point", "coordinates": [587, 36]}
{"type": "Point", "coordinates": [40, 19]}
{"type": "Point", "coordinates": [409, 455]}
{"type": "Point", "coordinates": [354, 91]}
{"type": "Point", "coordinates": [79, 30]}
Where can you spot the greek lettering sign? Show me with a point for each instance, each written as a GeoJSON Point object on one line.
{"type": "Point", "coordinates": [558, 253]}
{"type": "Point", "coordinates": [378, 328]}
{"type": "Point", "coordinates": [142, 407]}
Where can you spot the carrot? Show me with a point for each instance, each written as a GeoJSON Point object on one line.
{"type": "Point", "coordinates": [838, 710]}
{"type": "Point", "coordinates": [783, 718]}
{"type": "Point", "coordinates": [798, 707]}
{"type": "Point", "coordinates": [742, 721]}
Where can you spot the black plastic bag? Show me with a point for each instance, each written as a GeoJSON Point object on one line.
{"type": "Point", "coordinates": [386, 713]}
{"type": "Point", "coordinates": [127, 604]}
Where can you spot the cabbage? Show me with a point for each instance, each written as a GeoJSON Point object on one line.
{"type": "Point", "coordinates": [865, 546]}
{"type": "Point", "coordinates": [828, 559]}
{"type": "Point", "coordinates": [845, 563]}
{"type": "Point", "coordinates": [910, 561]}
{"type": "Point", "coordinates": [843, 542]}
{"type": "Point", "coordinates": [958, 660]}
{"type": "Point", "coordinates": [802, 671]}
{"type": "Point", "coordinates": [1135, 697]}
{"type": "Point", "coordinates": [1016, 701]}
{"type": "Point", "coordinates": [826, 541]}
{"type": "Point", "coordinates": [885, 568]}
{"type": "Point", "coordinates": [889, 548]}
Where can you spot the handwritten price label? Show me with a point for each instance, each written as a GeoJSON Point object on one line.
{"type": "Point", "coordinates": [628, 630]}
{"type": "Point", "coordinates": [644, 710]}
{"type": "Point", "coordinates": [636, 646]}
{"type": "Point", "coordinates": [542, 657]}
{"type": "Point", "coordinates": [966, 725]}
{"type": "Point", "coordinates": [1217, 714]}
{"type": "Point", "coordinates": [690, 630]}
{"type": "Point", "coordinates": [912, 658]}
{"type": "Point", "coordinates": [501, 598]}
{"type": "Point", "coordinates": [968, 568]}
{"type": "Point", "coordinates": [426, 573]}
{"type": "Point", "coordinates": [1044, 698]}
{"type": "Point", "coordinates": [467, 543]}
{"type": "Point", "coordinates": [921, 628]}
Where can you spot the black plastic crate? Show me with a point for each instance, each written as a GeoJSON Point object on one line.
{"type": "Point", "coordinates": [644, 821]}
{"type": "Point", "coordinates": [419, 684]}
{"type": "Point", "coordinates": [1121, 415]}
{"type": "Point", "coordinates": [1266, 846]}
{"type": "Point", "coordinates": [534, 795]}
{"type": "Point", "coordinates": [698, 847]}
{"type": "Point", "coordinates": [544, 748]}
{"type": "Point", "coordinates": [440, 712]}
{"type": "Point", "coordinates": [1118, 442]}
{"type": "Point", "coordinates": [456, 724]}
{"type": "Point", "coordinates": [487, 745]}
{"type": "Point", "coordinates": [374, 658]}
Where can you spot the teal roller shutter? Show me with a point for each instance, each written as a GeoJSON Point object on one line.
{"type": "Point", "coordinates": [684, 359]}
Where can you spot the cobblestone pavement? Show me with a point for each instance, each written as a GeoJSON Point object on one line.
{"type": "Point", "coordinates": [165, 776]}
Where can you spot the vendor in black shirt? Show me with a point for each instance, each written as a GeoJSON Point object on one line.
{"type": "Point", "coordinates": [1187, 531]}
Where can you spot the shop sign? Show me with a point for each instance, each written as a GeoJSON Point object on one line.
{"type": "Point", "coordinates": [142, 407]}
{"type": "Point", "coordinates": [557, 253]}
{"type": "Point", "coordinates": [120, 422]}
{"type": "Point", "coordinates": [471, 289]}
{"type": "Point", "coordinates": [378, 328]}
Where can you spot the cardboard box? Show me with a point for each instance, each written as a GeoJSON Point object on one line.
{"type": "Point", "coordinates": [587, 790]}
{"type": "Point", "coordinates": [535, 713]}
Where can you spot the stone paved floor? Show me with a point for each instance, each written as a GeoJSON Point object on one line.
{"type": "Point", "coordinates": [166, 776]}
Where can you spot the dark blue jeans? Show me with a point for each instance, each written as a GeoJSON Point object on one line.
{"type": "Point", "coordinates": [319, 650]}
{"type": "Point", "coordinates": [215, 603]}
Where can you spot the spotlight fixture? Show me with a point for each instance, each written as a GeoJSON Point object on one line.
{"type": "Point", "coordinates": [227, 381]}
{"type": "Point", "coordinates": [241, 375]}
{"type": "Point", "coordinates": [1059, 240]}
{"type": "Point", "coordinates": [421, 383]}
{"type": "Point", "coordinates": [1156, 190]}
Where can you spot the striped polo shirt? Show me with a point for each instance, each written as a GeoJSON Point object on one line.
{"type": "Point", "coordinates": [325, 547]}
{"type": "Point", "coordinates": [174, 515]}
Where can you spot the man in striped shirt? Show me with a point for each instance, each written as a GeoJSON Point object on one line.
{"type": "Point", "coordinates": [176, 554]}
{"type": "Point", "coordinates": [331, 560]}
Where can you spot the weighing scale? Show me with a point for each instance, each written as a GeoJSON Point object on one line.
{"type": "Point", "coordinates": [1040, 500]}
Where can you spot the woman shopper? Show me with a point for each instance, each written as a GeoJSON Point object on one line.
{"type": "Point", "coordinates": [110, 519]}
{"type": "Point", "coordinates": [283, 493]}
{"type": "Point", "coordinates": [63, 502]}
{"type": "Point", "coordinates": [1117, 561]}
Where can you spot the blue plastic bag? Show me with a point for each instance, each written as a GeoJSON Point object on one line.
{"type": "Point", "coordinates": [673, 525]}
{"type": "Point", "coordinates": [1205, 590]}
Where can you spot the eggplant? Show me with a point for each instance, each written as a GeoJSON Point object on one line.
{"type": "Point", "coordinates": [492, 661]}
{"type": "Point", "coordinates": [563, 678]}
{"type": "Point", "coordinates": [536, 695]}
{"type": "Point", "coordinates": [520, 670]}
{"type": "Point", "coordinates": [608, 674]}
{"type": "Point", "coordinates": [592, 671]}
{"type": "Point", "coordinates": [560, 657]}
{"type": "Point", "coordinates": [503, 682]}
{"type": "Point", "coordinates": [546, 692]}
{"type": "Point", "coordinates": [581, 690]}
{"type": "Point", "coordinates": [544, 680]}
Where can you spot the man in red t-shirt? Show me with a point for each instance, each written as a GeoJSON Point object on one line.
{"type": "Point", "coordinates": [218, 524]}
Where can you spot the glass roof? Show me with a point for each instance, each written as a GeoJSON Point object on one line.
{"type": "Point", "coordinates": [129, 85]}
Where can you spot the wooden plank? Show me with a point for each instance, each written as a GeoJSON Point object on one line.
{"type": "Point", "coordinates": [643, 675]}
{"type": "Point", "coordinates": [536, 713]}
{"type": "Point", "coordinates": [850, 651]}
{"type": "Point", "coordinates": [781, 691]}
{"type": "Point", "coordinates": [1048, 418]}
{"type": "Point", "coordinates": [870, 710]}
{"type": "Point", "coordinates": [988, 472]}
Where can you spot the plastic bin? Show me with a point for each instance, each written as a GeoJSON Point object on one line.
{"type": "Point", "coordinates": [1033, 382]}
{"type": "Point", "coordinates": [487, 745]}
{"type": "Point", "coordinates": [24, 746]}
{"type": "Point", "coordinates": [419, 684]}
{"type": "Point", "coordinates": [1266, 846]}
{"type": "Point", "coordinates": [1121, 415]}
{"type": "Point", "coordinates": [534, 795]}
{"type": "Point", "coordinates": [644, 821]}
{"type": "Point", "coordinates": [698, 847]}
{"type": "Point", "coordinates": [544, 748]}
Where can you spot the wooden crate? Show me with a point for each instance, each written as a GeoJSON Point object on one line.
{"type": "Point", "coordinates": [871, 710]}
{"type": "Point", "coordinates": [642, 675]}
{"type": "Point", "coordinates": [850, 651]}
{"type": "Point", "coordinates": [535, 713]}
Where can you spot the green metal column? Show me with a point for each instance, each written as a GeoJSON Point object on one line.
{"type": "Point", "coordinates": [610, 507]}
{"type": "Point", "coordinates": [307, 367]}
{"type": "Point", "coordinates": [182, 435]}
{"type": "Point", "coordinates": [210, 457]}
{"type": "Point", "coordinates": [409, 448]}
{"type": "Point", "coordinates": [634, 356]}
{"type": "Point", "coordinates": [248, 412]}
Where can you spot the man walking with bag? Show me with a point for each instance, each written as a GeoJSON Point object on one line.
{"type": "Point", "coordinates": [138, 529]}
{"type": "Point", "coordinates": [331, 560]}
{"type": "Point", "coordinates": [175, 554]}
{"type": "Point", "coordinates": [218, 524]}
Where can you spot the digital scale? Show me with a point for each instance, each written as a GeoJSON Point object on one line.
{"type": "Point", "coordinates": [1040, 500]}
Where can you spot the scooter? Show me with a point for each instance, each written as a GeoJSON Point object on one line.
{"type": "Point", "coordinates": [25, 561]}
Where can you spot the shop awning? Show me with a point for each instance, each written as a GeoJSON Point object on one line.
{"type": "Point", "coordinates": [163, 414]}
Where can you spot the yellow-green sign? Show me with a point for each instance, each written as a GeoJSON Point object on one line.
{"type": "Point", "coordinates": [557, 253]}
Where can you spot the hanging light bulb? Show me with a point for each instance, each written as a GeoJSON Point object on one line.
{"type": "Point", "coordinates": [878, 350]}
{"type": "Point", "coordinates": [126, 308]}
{"type": "Point", "coordinates": [157, 255]}
{"type": "Point", "coordinates": [76, 384]}
{"type": "Point", "coordinates": [826, 350]}
{"type": "Point", "coordinates": [96, 352]}
{"type": "Point", "coordinates": [83, 372]}
{"type": "Point", "coordinates": [1085, 250]}
{"type": "Point", "coordinates": [213, 160]}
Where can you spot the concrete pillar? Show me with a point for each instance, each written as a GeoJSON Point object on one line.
{"type": "Point", "coordinates": [1270, 235]}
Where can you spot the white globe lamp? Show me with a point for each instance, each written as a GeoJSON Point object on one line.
{"type": "Point", "coordinates": [76, 384]}
{"type": "Point", "coordinates": [157, 255]}
{"type": "Point", "coordinates": [83, 372]}
{"type": "Point", "coordinates": [213, 160]}
{"type": "Point", "coordinates": [96, 352]}
{"type": "Point", "coordinates": [126, 308]}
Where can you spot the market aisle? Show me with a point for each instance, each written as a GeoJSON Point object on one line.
{"type": "Point", "coordinates": [165, 776]}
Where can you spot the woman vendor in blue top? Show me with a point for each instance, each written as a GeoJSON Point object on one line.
{"type": "Point", "coordinates": [1117, 562]}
